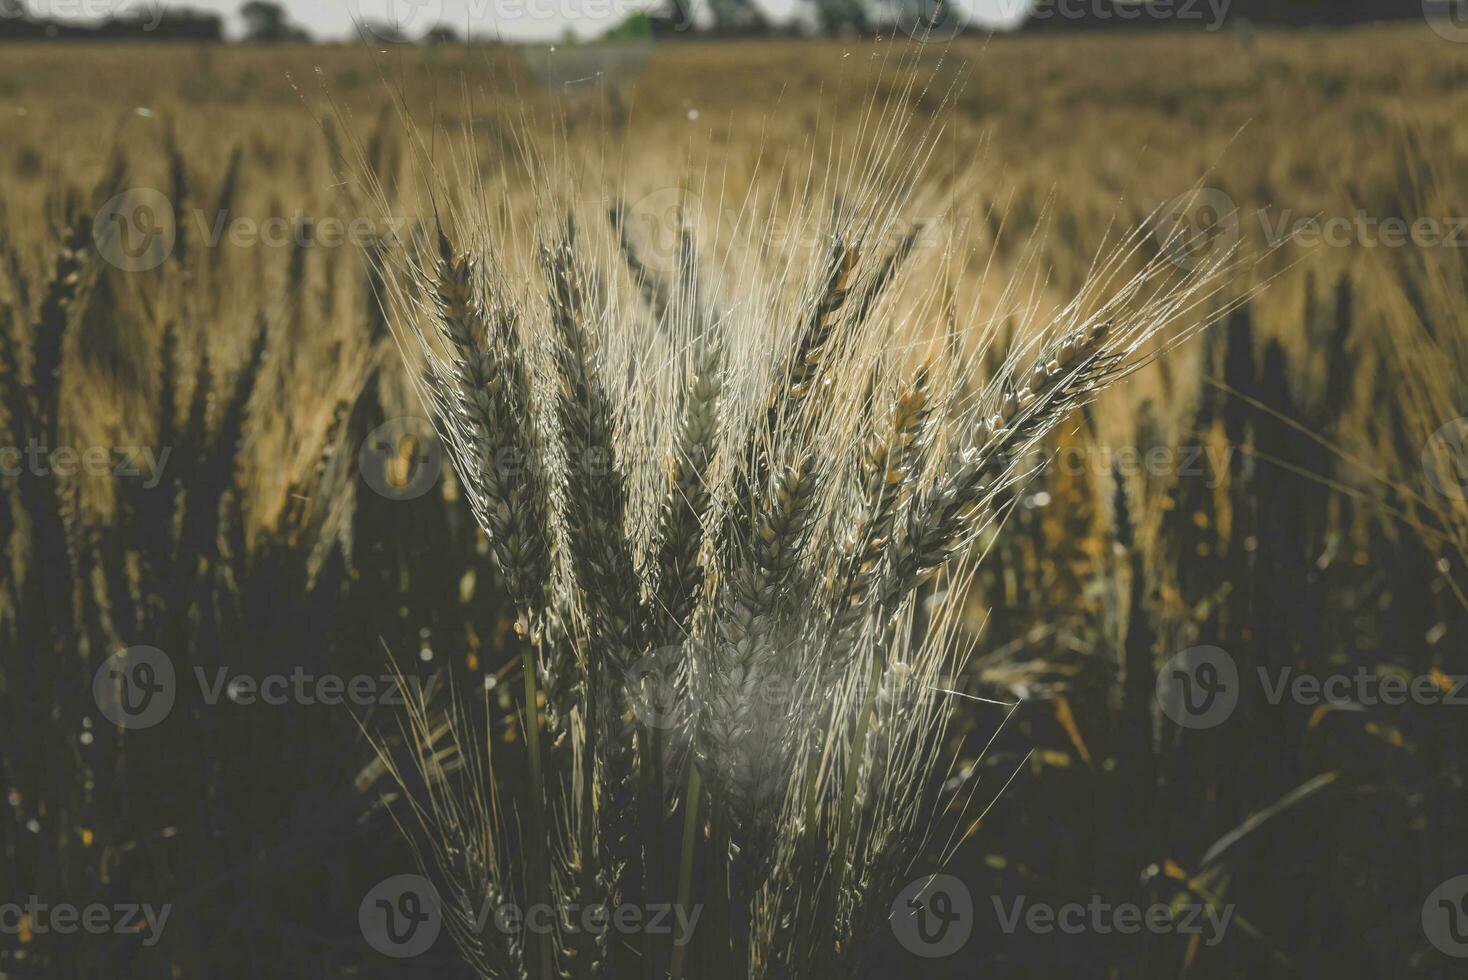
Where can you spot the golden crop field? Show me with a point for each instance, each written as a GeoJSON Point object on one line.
{"type": "Point", "coordinates": [215, 262]}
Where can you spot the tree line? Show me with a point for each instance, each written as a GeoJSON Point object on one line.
{"type": "Point", "coordinates": [267, 21]}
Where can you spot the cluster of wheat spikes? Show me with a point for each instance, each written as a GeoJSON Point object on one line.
{"type": "Point", "coordinates": [728, 500]}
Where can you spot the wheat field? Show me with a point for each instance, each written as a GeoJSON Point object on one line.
{"type": "Point", "coordinates": [234, 289]}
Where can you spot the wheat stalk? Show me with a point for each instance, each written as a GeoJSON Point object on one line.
{"type": "Point", "coordinates": [776, 541]}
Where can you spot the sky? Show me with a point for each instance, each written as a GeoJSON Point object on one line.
{"type": "Point", "coordinates": [511, 19]}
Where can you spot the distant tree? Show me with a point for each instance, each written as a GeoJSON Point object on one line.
{"type": "Point", "coordinates": [842, 16]}
{"type": "Point", "coordinates": [157, 24]}
{"type": "Point", "coordinates": [736, 17]}
{"type": "Point", "coordinates": [636, 27]}
{"type": "Point", "coordinates": [1054, 15]}
{"type": "Point", "coordinates": [936, 18]}
{"type": "Point", "coordinates": [266, 23]}
{"type": "Point", "coordinates": [679, 15]}
{"type": "Point", "coordinates": [1316, 12]}
{"type": "Point", "coordinates": [671, 19]}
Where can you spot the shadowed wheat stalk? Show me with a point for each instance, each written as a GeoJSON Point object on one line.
{"type": "Point", "coordinates": [717, 494]}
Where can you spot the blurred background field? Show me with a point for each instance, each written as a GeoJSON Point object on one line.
{"type": "Point", "coordinates": [1319, 525]}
